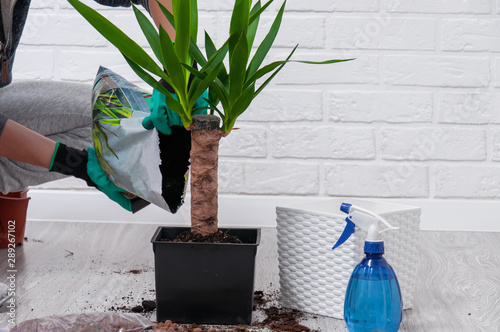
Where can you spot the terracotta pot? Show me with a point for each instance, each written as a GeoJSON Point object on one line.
{"type": "Point", "coordinates": [13, 208]}
{"type": "Point", "coordinates": [17, 194]}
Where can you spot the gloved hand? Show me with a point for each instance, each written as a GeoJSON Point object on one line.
{"type": "Point", "coordinates": [103, 183]}
{"type": "Point", "coordinates": [83, 165]}
{"type": "Point", "coordinates": [162, 118]}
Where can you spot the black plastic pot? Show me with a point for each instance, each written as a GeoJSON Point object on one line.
{"type": "Point", "coordinates": [204, 283]}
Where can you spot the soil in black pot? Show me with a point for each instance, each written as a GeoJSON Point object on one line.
{"type": "Point", "coordinates": [217, 237]}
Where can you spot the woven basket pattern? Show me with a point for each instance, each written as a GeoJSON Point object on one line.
{"type": "Point", "coordinates": [314, 278]}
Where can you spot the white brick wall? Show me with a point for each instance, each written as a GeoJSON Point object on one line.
{"type": "Point", "coordinates": [416, 115]}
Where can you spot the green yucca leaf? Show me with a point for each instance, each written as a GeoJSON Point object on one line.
{"type": "Point", "coordinates": [196, 73]}
{"type": "Point", "coordinates": [213, 107]}
{"type": "Point", "coordinates": [266, 44]}
{"type": "Point", "coordinates": [146, 77]}
{"type": "Point", "coordinates": [243, 101]}
{"type": "Point", "coordinates": [167, 13]}
{"type": "Point", "coordinates": [211, 49]}
{"type": "Point", "coordinates": [204, 84]}
{"type": "Point", "coordinates": [121, 41]}
{"type": "Point", "coordinates": [270, 78]}
{"type": "Point", "coordinates": [213, 100]}
{"type": "Point", "coordinates": [172, 63]}
{"type": "Point", "coordinates": [240, 16]}
{"type": "Point", "coordinates": [149, 31]}
{"type": "Point", "coordinates": [222, 93]}
{"type": "Point", "coordinates": [252, 27]}
{"type": "Point", "coordinates": [219, 112]}
{"type": "Point", "coordinates": [196, 89]}
{"type": "Point", "coordinates": [172, 103]}
{"type": "Point", "coordinates": [263, 71]}
{"type": "Point", "coordinates": [239, 21]}
{"type": "Point", "coordinates": [270, 67]}
{"type": "Point", "coordinates": [237, 67]}
{"type": "Point", "coordinates": [257, 14]}
{"type": "Point", "coordinates": [321, 62]}
{"type": "Point", "coordinates": [182, 11]}
{"type": "Point", "coordinates": [216, 59]}
{"type": "Point", "coordinates": [196, 53]}
{"type": "Point", "coordinates": [194, 20]}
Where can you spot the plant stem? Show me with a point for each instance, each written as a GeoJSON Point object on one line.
{"type": "Point", "coordinates": [205, 136]}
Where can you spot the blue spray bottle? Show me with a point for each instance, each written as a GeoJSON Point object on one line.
{"type": "Point", "coordinates": [373, 298]}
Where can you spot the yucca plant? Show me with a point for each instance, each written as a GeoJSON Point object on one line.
{"type": "Point", "coordinates": [174, 58]}
{"type": "Point", "coordinates": [233, 88]}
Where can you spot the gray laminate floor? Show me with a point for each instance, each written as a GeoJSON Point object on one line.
{"type": "Point", "coordinates": [87, 267]}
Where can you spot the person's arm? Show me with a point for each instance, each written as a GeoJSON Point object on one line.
{"type": "Point", "coordinates": [22, 144]}
{"type": "Point", "coordinates": [152, 7]}
{"type": "Point", "coordinates": [159, 18]}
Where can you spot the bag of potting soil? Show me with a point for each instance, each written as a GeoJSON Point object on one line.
{"type": "Point", "coordinates": [103, 322]}
{"type": "Point", "coordinates": [135, 159]}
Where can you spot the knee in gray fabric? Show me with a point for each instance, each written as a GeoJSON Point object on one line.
{"type": "Point", "coordinates": [16, 176]}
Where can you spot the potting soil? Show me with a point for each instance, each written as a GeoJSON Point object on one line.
{"type": "Point", "coordinates": [174, 155]}
{"type": "Point", "coordinates": [277, 319]}
{"type": "Point", "coordinates": [217, 237]}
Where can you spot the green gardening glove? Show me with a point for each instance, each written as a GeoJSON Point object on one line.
{"type": "Point", "coordinates": [163, 118]}
{"type": "Point", "coordinates": [104, 184]}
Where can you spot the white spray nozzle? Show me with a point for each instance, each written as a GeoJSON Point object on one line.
{"type": "Point", "coordinates": [364, 219]}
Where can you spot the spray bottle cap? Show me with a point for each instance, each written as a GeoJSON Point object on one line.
{"type": "Point", "coordinates": [366, 220]}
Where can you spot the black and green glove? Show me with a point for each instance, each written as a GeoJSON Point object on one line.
{"type": "Point", "coordinates": [83, 164]}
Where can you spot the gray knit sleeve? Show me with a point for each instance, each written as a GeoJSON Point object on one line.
{"type": "Point", "coordinates": [123, 3]}
{"type": "Point", "coordinates": [3, 121]}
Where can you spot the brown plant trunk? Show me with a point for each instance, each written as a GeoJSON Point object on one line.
{"type": "Point", "coordinates": [205, 136]}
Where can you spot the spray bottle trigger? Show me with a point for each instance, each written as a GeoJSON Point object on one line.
{"type": "Point", "coordinates": [348, 230]}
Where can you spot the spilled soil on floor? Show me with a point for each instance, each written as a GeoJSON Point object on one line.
{"type": "Point", "coordinates": [266, 305]}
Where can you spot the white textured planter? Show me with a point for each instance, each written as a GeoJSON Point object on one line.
{"type": "Point", "coordinates": [314, 278]}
